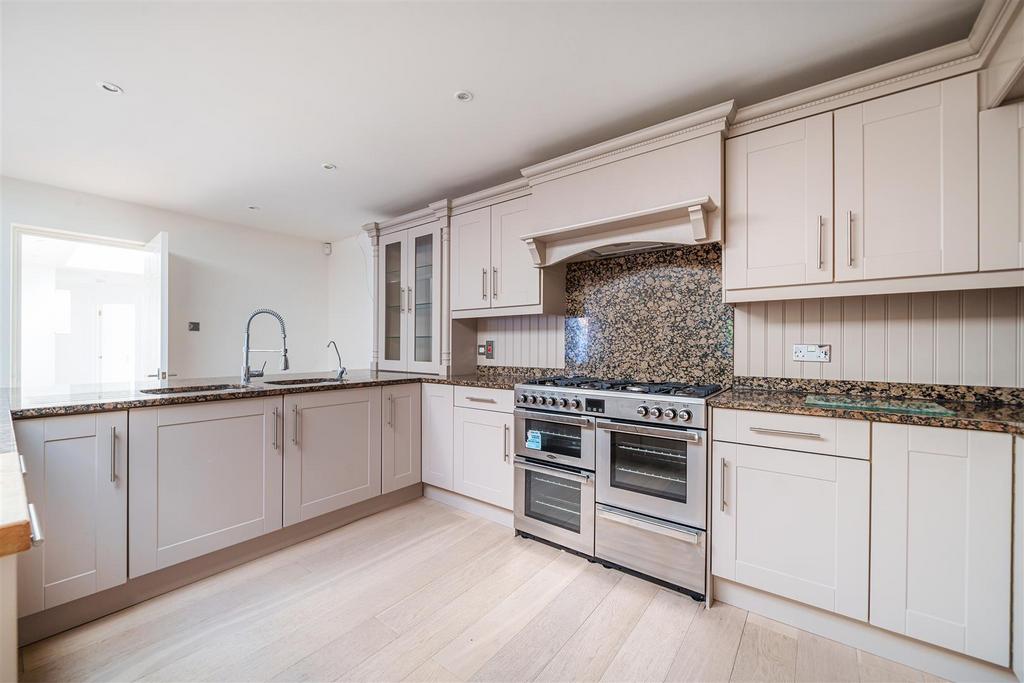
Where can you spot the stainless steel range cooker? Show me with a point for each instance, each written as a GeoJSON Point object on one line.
{"type": "Point", "coordinates": [616, 470]}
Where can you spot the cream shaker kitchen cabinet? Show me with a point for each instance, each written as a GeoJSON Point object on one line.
{"type": "Point", "coordinates": [492, 270]}
{"type": "Point", "coordinates": [76, 477]}
{"type": "Point", "coordinates": [202, 477]}
{"type": "Point", "coordinates": [906, 183]}
{"type": "Point", "coordinates": [941, 510]}
{"type": "Point", "coordinates": [790, 506]}
{"type": "Point", "coordinates": [1001, 175]}
{"type": "Point", "coordinates": [438, 411]}
{"type": "Point", "coordinates": [409, 291]}
{"type": "Point", "coordinates": [400, 437]}
{"type": "Point", "coordinates": [482, 467]}
{"type": "Point", "coordinates": [779, 218]}
{"type": "Point", "coordinates": [332, 451]}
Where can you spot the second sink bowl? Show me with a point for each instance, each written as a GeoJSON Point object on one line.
{"type": "Point", "coordinates": [308, 380]}
{"type": "Point", "coordinates": [193, 389]}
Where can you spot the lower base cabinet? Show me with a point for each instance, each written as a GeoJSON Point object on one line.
{"type": "Point", "coordinates": [482, 466]}
{"type": "Point", "coordinates": [76, 479]}
{"type": "Point", "coordinates": [941, 537]}
{"type": "Point", "coordinates": [332, 451]}
{"type": "Point", "coordinates": [400, 458]}
{"type": "Point", "coordinates": [203, 476]}
{"type": "Point", "coordinates": [438, 418]}
{"type": "Point", "coordinates": [794, 524]}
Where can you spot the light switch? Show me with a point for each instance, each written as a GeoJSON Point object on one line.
{"type": "Point", "coordinates": [812, 353]}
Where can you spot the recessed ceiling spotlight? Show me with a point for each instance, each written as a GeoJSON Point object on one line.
{"type": "Point", "coordinates": [328, 166]}
{"type": "Point", "coordinates": [463, 96]}
{"type": "Point", "coordinates": [253, 207]}
{"type": "Point", "coordinates": [112, 88]}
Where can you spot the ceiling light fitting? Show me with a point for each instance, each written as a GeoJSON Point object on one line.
{"type": "Point", "coordinates": [253, 207]}
{"type": "Point", "coordinates": [112, 88]}
{"type": "Point", "coordinates": [328, 166]}
{"type": "Point", "coordinates": [463, 96]}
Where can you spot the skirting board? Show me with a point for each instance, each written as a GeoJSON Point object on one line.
{"type": "Point", "coordinates": [470, 505]}
{"type": "Point", "coordinates": [913, 653]}
{"type": "Point", "coordinates": [63, 617]}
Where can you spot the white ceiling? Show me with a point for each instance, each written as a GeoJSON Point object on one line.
{"type": "Point", "coordinates": [229, 104]}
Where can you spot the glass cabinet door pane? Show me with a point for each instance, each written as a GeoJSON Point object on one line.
{"type": "Point", "coordinates": [423, 290]}
{"type": "Point", "coordinates": [650, 465]}
{"type": "Point", "coordinates": [553, 500]}
{"type": "Point", "coordinates": [393, 301]}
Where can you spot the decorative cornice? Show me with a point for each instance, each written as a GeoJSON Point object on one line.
{"type": "Point", "coordinates": [408, 220]}
{"type": "Point", "coordinates": [373, 232]}
{"type": "Point", "coordinates": [697, 124]}
{"type": "Point", "coordinates": [492, 195]}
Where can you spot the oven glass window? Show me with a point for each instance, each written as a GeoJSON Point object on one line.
{"type": "Point", "coordinates": [649, 465]}
{"type": "Point", "coordinates": [554, 500]}
{"type": "Point", "coordinates": [553, 437]}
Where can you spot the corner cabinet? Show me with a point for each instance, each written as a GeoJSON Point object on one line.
{"type": "Point", "coordinates": [492, 270]}
{"type": "Point", "coordinates": [76, 476]}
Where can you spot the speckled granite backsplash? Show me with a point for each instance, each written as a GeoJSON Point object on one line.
{"type": "Point", "coordinates": [656, 316]}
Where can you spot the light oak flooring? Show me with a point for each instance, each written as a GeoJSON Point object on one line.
{"type": "Point", "coordinates": [424, 592]}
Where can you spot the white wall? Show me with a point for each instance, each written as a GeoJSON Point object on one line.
{"type": "Point", "coordinates": [350, 299]}
{"type": "Point", "coordinates": [219, 272]}
{"type": "Point", "coordinates": [972, 337]}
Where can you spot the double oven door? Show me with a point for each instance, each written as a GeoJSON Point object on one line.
{"type": "Point", "coordinates": [653, 471]}
{"type": "Point", "coordinates": [563, 439]}
{"type": "Point", "coordinates": [555, 504]}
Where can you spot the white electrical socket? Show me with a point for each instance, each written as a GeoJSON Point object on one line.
{"type": "Point", "coordinates": [812, 353]}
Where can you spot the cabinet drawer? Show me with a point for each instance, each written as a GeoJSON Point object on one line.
{"type": "Point", "coordinates": [501, 400]}
{"type": "Point", "coordinates": [810, 433]}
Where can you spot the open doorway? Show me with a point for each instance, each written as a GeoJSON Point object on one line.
{"type": "Point", "coordinates": [87, 310]}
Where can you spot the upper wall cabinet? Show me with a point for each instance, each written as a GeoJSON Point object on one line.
{"type": "Point", "coordinates": [779, 219]}
{"type": "Point", "coordinates": [408, 299]}
{"type": "Point", "coordinates": [1001, 173]}
{"type": "Point", "coordinates": [492, 271]}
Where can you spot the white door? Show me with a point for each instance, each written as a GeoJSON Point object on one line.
{"type": "Point", "coordinates": [203, 476]}
{"type": "Point", "coordinates": [423, 298]}
{"type": "Point", "coordinates": [438, 446]}
{"type": "Point", "coordinates": [77, 480]}
{"type": "Point", "coordinates": [1001, 175]}
{"type": "Point", "coordinates": [906, 183]}
{"type": "Point", "coordinates": [515, 281]}
{"type": "Point", "coordinates": [941, 513]}
{"type": "Point", "coordinates": [400, 437]}
{"type": "Point", "coordinates": [779, 219]}
{"type": "Point", "coordinates": [394, 301]}
{"type": "Point", "coordinates": [794, 524]}
{"type": "Point", "coordinates": [471, 260]}
{"type": "Point", "coordinates": [483, 466]}
{"type": "Point", "coordinates": [153, 323]}
{"type": "Point", "coordinates": [332, 451]}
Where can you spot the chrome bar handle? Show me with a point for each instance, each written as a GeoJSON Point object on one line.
{"type": "Point", "coordinates": [295, 425]}
{"type": "Point", "coordinates": [494, 283]}
{"type": "Point", "coordinates": [113, 454]}
{"type": "Point", "coordinates": [522, 463]}
{"type": "Point", "coordinates": [276, 416]}
{"type": "Point", "coordinates": [391, 410]}
{"type": "Point", "coordinates": [483, 283]}
{"type": "Point", "coordinates": [35, 529]}
{"type": "Point", "coordinates": [721, 487]}
{"type": "Point", "coordinates": [24, 468]}
{"type": "Point", "coordinates": [785, 432]}
{"type": "Point", "coordinates": [849, 238]}
{"type": "Point", "coordinates": [506, 443]}
{"type": "Point", "coordinates": [476, 399]}
{"type": "Point", "coordinates": [821, 259]}
{"type": "Point", "coordinates": [408, 299]}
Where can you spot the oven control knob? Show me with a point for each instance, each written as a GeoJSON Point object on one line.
{"type": "Point", "coordinates": [524, 398]}
{"type": "Point", "coordinates": [670, 414]}
{"type": "Point", "coordinates": [531, 399]}
{"type": "Point", "coordinates": [551, 400]}
{"type": "Point", "coordinates": [562, 403]}
{"type": "Point", "coordinates": [655, 412]}
{"type": "Point", "coordinates": [685, 415]}
{"type": "Point", "coordinates": [642, 411]}
{"type": "Point", "coordinates": [574, 404]}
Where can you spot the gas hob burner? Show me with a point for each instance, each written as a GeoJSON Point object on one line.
{"type": "Point", "coordinates": [576, 382]}
{"type": "Point", "coordinates": [668, 389]}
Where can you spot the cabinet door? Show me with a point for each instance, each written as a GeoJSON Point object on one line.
{"type": "Point", "coordinates": [423, 299]}
{"type": "Point", "coordinates": [793, 524]}
{"type": "Point", "coordinates": [471, 260]}
{"type": "Point", "coordinates": [906, 178]}
{"type": "Point", "coordinates": [76, 478]}
{"type": "Point", "coordinates": [400, 437]}
{"type": "Point", "coordinates": [203, 476]}
{"type": "Point", "coordinates": [331, 451]}
{"type": "Point", "coordinates": [515, 281]}
{"type": "Point", "coordinates": [394, 299]}
{"type": "Point", "coordinates": [779, 218]}
{"type": "Point", "coordinates": [438, 434]}
{"type": "Point", "coordinates": [1001, 175]}
{"type": "Point", "coordinates": [941, 513]}
{"type": "Point", "coordinates": [483, 458]}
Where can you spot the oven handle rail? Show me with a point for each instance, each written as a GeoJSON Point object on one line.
{"type": "Point", "coordinates": [554, 417]}
{"type": "Point", "coordinates": [524, 464]}
{"type": "Point", "coordinates": [677, 434]}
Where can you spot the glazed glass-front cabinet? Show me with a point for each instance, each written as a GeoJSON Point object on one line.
{"type": "Point", "coordinates": [409, 288]}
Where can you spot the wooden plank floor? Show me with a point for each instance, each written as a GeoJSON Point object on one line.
{"type": "Point", "coordinates": [425, 592]}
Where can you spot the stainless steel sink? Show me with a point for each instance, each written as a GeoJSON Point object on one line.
{"type": "Point", "coordinates": [308, 380]}
{"type": "Point", "coordinates": [196, 389]}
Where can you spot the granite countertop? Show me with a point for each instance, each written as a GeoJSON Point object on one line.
{"type": "Point", "coordinates": [981, 416]}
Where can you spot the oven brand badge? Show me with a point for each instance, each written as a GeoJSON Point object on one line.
{"type": "Point", "coordinates": [533, 439]}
